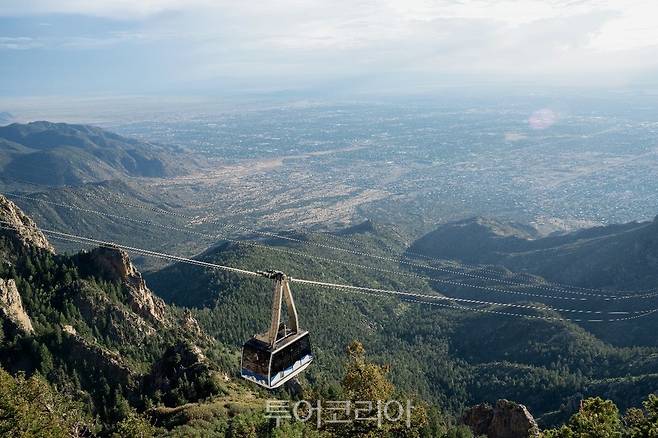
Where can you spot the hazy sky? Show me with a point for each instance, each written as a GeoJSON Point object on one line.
{"type": "Point", "coordinates": [68, 47]}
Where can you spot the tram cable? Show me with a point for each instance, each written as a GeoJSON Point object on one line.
{"type": "Point", "coordinates": [605, 297]}
{"type": "Point", "coordinates": [413, 295]}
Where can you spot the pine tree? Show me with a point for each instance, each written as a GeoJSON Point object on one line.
{"type": "Point", "coordinates": [596, 418]}
{"type": "Point", "coordinates": [31, 408]}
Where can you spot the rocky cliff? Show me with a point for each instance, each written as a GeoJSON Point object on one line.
{"type": "Point", "coordinates": [21, 227]}
{"type": "Point", "coordinates": [11, 306]}
{"type": "Point", "coordinates": [114, 264]}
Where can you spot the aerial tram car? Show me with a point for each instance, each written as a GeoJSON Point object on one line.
{"type": "Point", "coordinates": [271, 359]}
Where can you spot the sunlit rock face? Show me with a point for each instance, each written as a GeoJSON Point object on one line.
{"type": "Point", "coordinates": [115, 264]}
{"type": "Point", "coordinates": [21, 227]}
{"type": "Point", "coordinates": [11, 306]}
{"type": "Point", "coordinates": [504, 420]}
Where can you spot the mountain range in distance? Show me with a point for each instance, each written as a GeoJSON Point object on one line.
{"type": "Point", "coordinates": [623, 256]}
{"type": "Point", "coordinates": [63, 154]}
{"type": "Point", "coordinates": [5, 117]}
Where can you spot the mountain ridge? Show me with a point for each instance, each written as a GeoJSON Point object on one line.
{"type": "Point", "coordinates": [620, 256]}
{"type": "Point", "coordinates": [66, 154]}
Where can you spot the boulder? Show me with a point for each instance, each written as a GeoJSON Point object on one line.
{"type": "Point", "coordinates": [478, 418]}
{"type": "Point", "coordinates": [506, 419]}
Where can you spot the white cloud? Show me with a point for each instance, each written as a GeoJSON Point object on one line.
{"type": "Point", "coordinates": [18, 43]}
{"type": "Point", "coordinates": [634, 28]}
{"type": "Point", "coordinates": [103, 8]}
{"type": "Point", "coordinates": [503, 38]}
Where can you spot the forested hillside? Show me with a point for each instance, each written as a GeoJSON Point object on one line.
{"type": "Point", "coordinates": [86, 349]}
{"type": "Point", "coordinates": [97, 209]}
{"type": "Point", "coordinates": [617, 257]}
{"type": "Point", "coordinates": [454, 358]}
{"type": "Point", "coordinates": [613, 266]}
{"type": "Point", "coordinates": [86, 333]}
{"type": "Point", "coordinates": [92, 328]}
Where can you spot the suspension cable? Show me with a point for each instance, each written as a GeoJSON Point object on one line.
{"type": "Point", "coordinates": [414, 295]}
{"type": "Point", "coordinates": [383, 258]}
{"type": "Point", "coordinates": [548, 286]}
{"type": "Point", "coordinates": [539, 285]}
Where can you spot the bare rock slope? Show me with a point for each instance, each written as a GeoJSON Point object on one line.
{"type": "Point", "coordinates": [11, 306]}
{"type": "Point", "coordinates": [22, 227]}
{"type": "Point", "coordinates": [115, 264]}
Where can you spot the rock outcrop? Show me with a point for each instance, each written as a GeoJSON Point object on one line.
{"type": "Point", "coordinates": [123, 325]}
{"type": "Point", "coordinates": [183, 368]}
{"type": "Point", "coordinates": [478, 418]}
{"type": "Point", "coordinates": [11, 306]}
{"type": "Point", "coordinates": [505, 420]}
{"type": "Point", "coordinates": [22, 228]}
{"type": "Point", "coordinates": [115, 264]}
{"type": "Point", "coordinates": [189, 323]}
